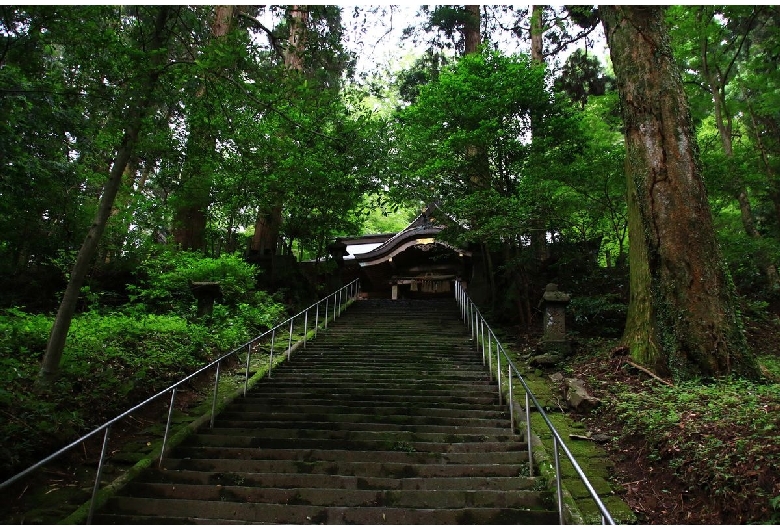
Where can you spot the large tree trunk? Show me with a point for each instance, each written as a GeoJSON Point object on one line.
{"type": "Point", "coordinates": [266, 236]}
{"type": "Point", "coordinates": [539, 233]}
{"type": "Point", "coordinates": [472, 34]}
{"type": "Point", "coordinates": [682, 320]}
{"type": "Point", "coordinates": [136, 113]}
{"type": "Point", "coordinates": [191, 216]}
{"type": "Point", "coordinates": [269, 220]}
{"type": "Point", "coordinates": [537, 32]}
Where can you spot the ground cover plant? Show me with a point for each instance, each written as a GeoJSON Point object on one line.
{"type": "Point", "coordinates": [698, 452]}
{"type": "Point", "coordinates": [118, 356]}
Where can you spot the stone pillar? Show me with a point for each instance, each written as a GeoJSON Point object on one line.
{"type": "Point", "coordinates": [553, 345]}
{"type": "Point", "coordinates": [395, 292]}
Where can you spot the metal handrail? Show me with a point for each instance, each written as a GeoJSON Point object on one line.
{"type": "Point", "coordinates": [340, 297]}
{"type": "Point", "coordinates": [477, 325]}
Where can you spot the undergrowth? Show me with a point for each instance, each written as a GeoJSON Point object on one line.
{"type": "Point", "coordinates": [722, 437]}
{"type": "Point", "coordinates": [117, 356]}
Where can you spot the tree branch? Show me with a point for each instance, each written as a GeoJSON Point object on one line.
{"type": "Point", "coordinates": [648, 372]}
{"type": "Point", "coordinates": [273, 41]}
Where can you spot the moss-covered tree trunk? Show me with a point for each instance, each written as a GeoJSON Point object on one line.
{"type": "Point", "coordinates": [682, 318]}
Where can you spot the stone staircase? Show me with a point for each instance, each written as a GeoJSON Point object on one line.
{"type": "Point", "coordinates": [388, 417]}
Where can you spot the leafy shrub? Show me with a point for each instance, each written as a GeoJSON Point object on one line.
{"type": "Point", "coordinates": [110, 362]}
{"type": "Point", "coordinates": [743, 255]}
{"type": "Point", "coordinates": [598, 315]}
{"type": "Point", "coordinates": [163, 280]}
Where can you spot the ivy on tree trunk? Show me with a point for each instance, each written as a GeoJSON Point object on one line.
{"type": "Point", "coordinates": [682, 318]}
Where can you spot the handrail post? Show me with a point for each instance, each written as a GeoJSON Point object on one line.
{"type": "Point", "coordinates": [335, 305]}
{"type": "Point", "coordinates": [271, 357]}
{"type": "Point", "coordinates": [528, 435]}
{"type": "Point", "coordinates": [490, 351]}
{"type": "Point", "coordinates": [490, 364]}
{"type": "Point", "coordinates": [246, 376]}
{"type": "Point", "coordinates": [98, 475]}
{"type": "Point", "coordinates": [498, 376]}
{"type": "Point", "coordinates": [481, 331]}
{"type": "Point", "coordinates": [289, 340]}
{"type": "Point", "coordinates": [473, 321]}
{"type": "Point", "coordinates": [305, 326]}
{"type": "Point", "coordinates": [558, 480]}
{"type": "Point", "coordinates": [326, 311]}
{"type": "Point", "coordinates": [484, 349]}
{"type": "Point", "coordinates": [167, 427]}
{"type": "Point", "coordinates": [214, 400]}
{"type": "Point", "coordinates": [476, 327]}
{"type": "Point", "coordinates": [463, 305]}
{"type": "Point", "coordinates": [511, 401]}
{"type": "Point", "coordinates": [317, 320]}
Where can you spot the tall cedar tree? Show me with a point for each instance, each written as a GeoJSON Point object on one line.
{"type": "Point", "coordinates": [191, 216]}
{"type": "Point", "coordinates": [682, 318]}
{"type": "Point", "coordinates": [269, 220]}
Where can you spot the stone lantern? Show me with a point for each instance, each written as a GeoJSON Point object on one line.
{"type": "Point", "coordinates": [206, 293]}
{"type": "Point", "coordinates": [554, 343]}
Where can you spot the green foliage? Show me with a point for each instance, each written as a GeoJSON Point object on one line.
{"type": "Point", "coordinates": [598, 315]}
{"type": "Point", "coordinates": [583, 76]}
{"type": "Point", "coordinates": [113, 361]}
{"type": "Point", "coordinates": [384, 218]}
{"type": "Point", "coordinates": [721, 436]}
{"type": "Point", "coordinates": [469, 141]}
{"type": "Point", "coordinates": [164, 280]}
{"type": "Point", "coordinates": [740, 252]}
{"type": "Point", "coordinates": [124, 357]}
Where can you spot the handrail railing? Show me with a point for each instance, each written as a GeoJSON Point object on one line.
{"type": "Point", "coordinates": [340, 298]}
{"type": "Point", "coordinates": [477, 325]}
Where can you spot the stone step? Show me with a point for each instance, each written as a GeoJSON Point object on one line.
{"type": "Point", "coordinates": [377, 442]}
{"type": "Point", "coordinates": [320, 496]}
{"type": "Point", "coordinates": [407, 435]}
{"type": "Point", "coordinates": [307, 480]}
{"type": "Point", "coordinates": [180, 511]}
{"type": "Point", "coordinates": [277, 401]}
{"type": "Point", "coordinates": [295, 411]}
{"type": "Point", "coordinates": [379, 380]}
{"type": "Point", "coordinates": [372, 426]}
{"type": "Point", "coordinates": [332, 455]}
{"type": "Point", "coordinates": [371, 469]}
{"type": "Point", "coordinates": [246, 419]}
{"type": "Point", "coordinates": [347, 393]}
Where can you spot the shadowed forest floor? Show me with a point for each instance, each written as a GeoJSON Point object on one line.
{"type": "Point", "coordinates": [664, 483]}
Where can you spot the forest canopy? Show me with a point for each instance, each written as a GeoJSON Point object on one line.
{"type": "Point", "coordinates": [132, 131]}
{"type": "Point", "coordinates": [629, 155]}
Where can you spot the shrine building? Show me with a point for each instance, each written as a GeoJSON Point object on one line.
{"type": "Point", "coordinates": [410, 264]}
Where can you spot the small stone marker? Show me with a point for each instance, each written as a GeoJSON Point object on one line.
{"type": "Point", "coordinates": [555, 303]}
{"type": "Point", "coordinates": [553, 345]}
{"type": "Point", "coordinates": [206, 293]}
